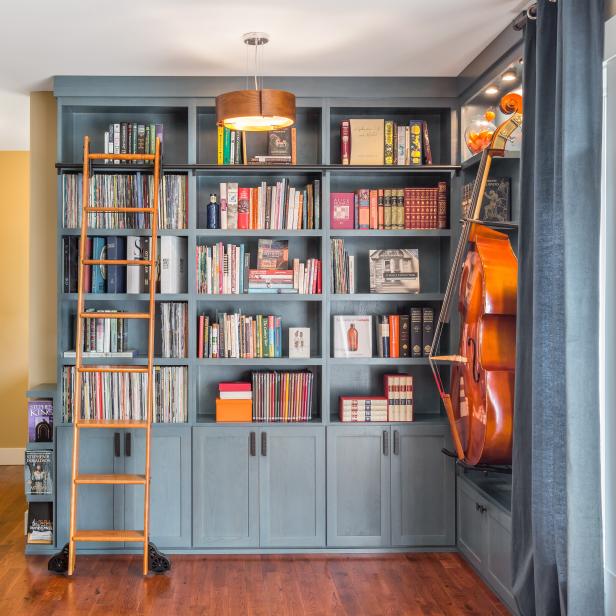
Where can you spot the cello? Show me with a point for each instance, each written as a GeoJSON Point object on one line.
{"type": "Point", "coordinates": [479, 407]}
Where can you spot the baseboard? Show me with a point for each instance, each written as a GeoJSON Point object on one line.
{"type": "Point", "coordinates": [11, 456]}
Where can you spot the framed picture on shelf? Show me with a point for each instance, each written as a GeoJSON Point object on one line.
{"type": "Point", "coordinates": [394, 270]}
{"type": "Point", "coordinates": [299, 342]}
{"type": "Point", "coordinates": [352, 335]}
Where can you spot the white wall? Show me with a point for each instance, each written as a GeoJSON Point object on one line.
{"type": "Point", "coordinates": [14, 121]}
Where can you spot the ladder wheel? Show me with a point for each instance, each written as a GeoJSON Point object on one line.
{"type": "Point", "coordinates": [159, 563]}
{"type": "Point", "coordinates": [58, 563]}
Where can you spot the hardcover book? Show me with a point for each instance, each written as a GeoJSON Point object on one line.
{"type": "Point", "coordinates": [116, 274]}
{"type": "Point", "coordinates": [38, 472]}
{"type": "Point", "coordinates": [394, 270]}
{"type": "Point", "coordinates": [279, 142]}
{"type": "Point", "coordinates": [137, 248]}
{"type": "Point", "coordinates": [367, 141]}
{"type": "Point", "coordinates": [416, 332]}
{"type": "Point", "coordinates": [273, 254]}
{"type": "Point", "coordinates": [496, 206]}
{"type": "Point", "coordinates": [342, 210]}
{"type": "Point", "coordinates": [389, 142]}
{"type": "Point", "coordinates": [99, 272]}
{"type": "Point", "coordinates": [299, 342]}
{"type": "Point", "coordinates": [427, 330]}
{"type": "Point", "coordinates": [416, 150]}
{"type": "Point", "coordinates": [352, 336]}
{"type": "Point", "coordinates": [40, 421]}
{"type": "Point", "coordinates": [40, 523]}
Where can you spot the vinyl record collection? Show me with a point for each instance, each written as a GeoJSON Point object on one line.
{"type": "Point", "coordinates": [282, 396]}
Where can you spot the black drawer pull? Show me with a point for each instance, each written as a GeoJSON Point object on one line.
{"type": "Point", "coordinates": [263, 443]}
{"type": "Point", "coordinates": [480, 508]}
{"type": "Point", "coordinates": [253, 443]}
{"type": "Point", "coordinates": [385, 443]}
{"type": "Point", "coordinates": [396, 443]}
{"type": "Point", "coordinates": [116, 444]}
{"type": "Point", "coordinates": [127, 444]}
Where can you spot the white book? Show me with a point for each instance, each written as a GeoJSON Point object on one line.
{"type": "Point", "coordinates": [351, 274]}
{"type": "Point", "coordinates": [301, 278]}
{"type": "Point", "coordinates": [116, 141]}
{"type": "Point", "coordinates": [106, 142]}
{"type": "Point", "coordinates": [173, 264]}
{"type": "Point", "coordinates": [352, 335]}
{"type": "Point", "coordinates": [235, 395]}
{"type": "Point", "coordinates": [232, 189]}
{"type": "Point", "coordinates": [223, 205]}
{"type": "Point", "coordinates": [135, 280]}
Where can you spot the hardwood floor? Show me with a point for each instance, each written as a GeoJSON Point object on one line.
{"type": "Point", "coordinates": [439, 584]}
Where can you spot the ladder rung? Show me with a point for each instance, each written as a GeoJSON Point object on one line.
{"type": "Point", "coordinates": [99, 156]}
{"type": "Point", "coordinates": [112, 423]}
{"type": "Point", "coordinates": [116, 262]}
{"type": "Point", "coordinates": [114, 315]}
{"type": "Point", "coordinates": [141, 210]}
{"type": "Point", "coordinates": [139, 369]}
{"type": "Point", "coordinates": [110, 479]}
{"type": "Point", "coordinates": [109, 535]}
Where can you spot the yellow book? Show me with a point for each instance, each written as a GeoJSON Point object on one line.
{"type": "Point", "coordinates": [221, 144]}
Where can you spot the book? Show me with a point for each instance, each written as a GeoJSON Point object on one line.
{"type": "Point", "coordinates": [273, 254]}
{"type": "Point", "coordinates": [99, 272]}
{"type": "Point", "coordinates": [116, 274]}
{"type": "Point", "coordinates": [233, 410]}
{"type": "Point", "coordinates": [345, 142]}
{"type": "Point", "coordinates": [279, 142]}
{"type": "Point", "coordinates": [416, 332]}
{"type": "Point", "coordinates": [367, 141]}
{"type": "Point", "coordinates": [230, 386]}
{"type": "Point", "coordinates": [40, 523]}
{"type": "Point", "coordinates": [427, 319]}
{"type": "Point", "coordinates": [362, 408]}
{"type": "Point", "coordinates": [394, 335]}
{"type": "Point", "coordinates": [173, 264]}
{"type": "Point", "coordinates": [235, 395]}
{"type": "Point", "coordinates": [137, 249]}
{"type": "Point", "coordinates": [243, 208]}
{"type": "Point", "coordinates": [389, 128]}
{"type": "Point", "coordinates": [282, 396]}
{"type": "Point", "coordinates": [394, 270]}
{"type": "Point", "coordinates": [382, 335]}
{"type": "Point", "coordinates": [352, 336]}
{"type": "Point", "coordinates": [40, 421]}
{"type": "Point", "coordinates": [427, 151]}
{"type": "Point", "coordinates": [342, 210]}
{"type": "Point", "coordinates": [38, 471]}
{"type": "Point", "coordinates": [100, 354]}
{"type": "Point", "coordinates": [232, 205]}
{"type": "Point", "coordinates": [441, 217]}
{"type": "Point", "coordinates": [399, 395]}
{"type": "Point", "coordinates": [299, 342]}
{"type": "Point", "coordinates": [363, 201]}
{"type": "Point", "coordinates": [405, 338]}
{"type": "Point", "coordinates": [416, 149]}
{"type": "Point", "coordinates": [342, 268]}
{"type": "Point", "coordinates": [496, 204]}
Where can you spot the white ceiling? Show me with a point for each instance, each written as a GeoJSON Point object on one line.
{"type": "Point", "coordinates": [42, 38]}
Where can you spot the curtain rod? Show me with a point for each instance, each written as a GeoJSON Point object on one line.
{"type": "Point", "coordinates": [530, 12]}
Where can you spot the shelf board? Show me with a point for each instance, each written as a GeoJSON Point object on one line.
{"type": "Point", "coordinates": [125, 232]}
{"type": "Point", "coordinates": [386, 297]}
{"type": "Point", "coordinates": [39, 498]}
{"type": "Point", "coordinates": [123, 168]}
{"type": "Point", "coordinates": [259, 233]}
{"type": "Point", "coordinates": [119, 297]}
{"type": "Point", "coordinates": [259, 297]}
{"type": "Point", "coordinates": [474, 160]}
{"type": "Point", "coordinates": [138, 360]}
{"type": "Point", "coordinates": [260, 361]}
{"type": "Point", "coordinates": [378, 361]}
{"type": "Point", "coordinates": [42, 390]}
{"type": "Point", "coordinates": [401, 233]}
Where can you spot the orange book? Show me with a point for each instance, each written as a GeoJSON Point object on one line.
{"type": "Point", "coordinates": [294, 145]}
{"type": "Point", "coordinates": [374, 209]}
{"type": "Point", "coordinates": [394, 335]}
{"type": "Point", "coordinates": [233, 410]}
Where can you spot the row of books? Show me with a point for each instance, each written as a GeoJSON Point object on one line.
{"type": "Point", "coordinates": [390, 208]}
{"type": "Point", "coordinates": [277, 206]}
{"type": "Point", "coordinates": [132, 138]}
{"type": "Point", "coordinates": [120, 278]}
{"type": "Point", "coordinates": [281, 396]}
{"type": "Point", "coordinates": [275, 147]}
{"type": "Point", "coordinates": [124, 395]}
{"type": "Point", "coordinates": [240, 336]}
{"type": "Point", "coordinates": [102, 336]}
{"type": "Point", "coordinates": [125, 190]}
{"type": "Point", "coordinates": [376, 141]}
{"type": "Point", "coordinates": [174, 329]}
{"type": "Point", "coordinates": [395, 405]}
{"type": "Point", "coordinates": [342, 268]}
{"type": "Point", "coordinates": [405, 335]}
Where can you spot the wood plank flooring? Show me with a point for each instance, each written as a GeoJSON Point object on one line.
{"type": "Point", "coordinates": [439, 584]}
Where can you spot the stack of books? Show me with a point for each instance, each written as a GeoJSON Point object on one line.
{"type": "Point", "coordinates": [125, 190]}
{"type": "Point", "coordinates": [103, 337]}
{"type": "Point", "coordinates": [234, 401]}
{"type": "Point", "coordinates": [376, 141]}
{"type": "Point", "coordinates": [303, 278]}
{"type": "Point", "coordinates": [240, 336]}
{"type": "Point", "coordinates": [40, 523]}
{"type": "Point", "coordinates": [362, 408]}
{"type": "Point", "coordinates": [342, 273]}
{"type": "Point", "coordinates": [282, 396]}
{"type": "Point", "coordinates": [278, 206]}
{"type": "Point", "coordinates": [132, 138]}
{"type": "Point", "coordinates": [405, 335]}
{"type": "Point", "coordinates": [390, 208]}
{"type": "Point", "coordinates": [173, 328]}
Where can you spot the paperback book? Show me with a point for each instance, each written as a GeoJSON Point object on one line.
{"type": "Point", "coordinates": [394, 270]}
{"type": "Point", "coordinates": [40, 421]}
{"type": "Point", "coordinates": [39, 526]}
{"type": "Point", "coordinates": [352, 336]}
{"type": "Point", "coordinates": [38, 471]}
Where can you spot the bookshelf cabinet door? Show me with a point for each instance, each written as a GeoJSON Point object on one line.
{"type": "Point", "coordinates": [358, 486]}
{"type": "Point", "coordinates": [422, 487]}
{"type": "Point", "coordinates": [169, 485]}
{"type": "Point", "coordinates": [292, 486]}
{"type": "Point", "coordinates": [472, 532]}
{"type": "Point", "coordinates": [98, 506]}
{"type": "Point", "coordinates": [225, 487]}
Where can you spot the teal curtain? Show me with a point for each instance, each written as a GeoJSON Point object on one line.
{"type": "Point", "coordinates": [556, 499]}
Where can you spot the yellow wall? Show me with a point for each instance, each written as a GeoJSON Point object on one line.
{"type": "Point", "coordinates": [43, 183]}
{"type": "Point", "coordinates": [14, 205]}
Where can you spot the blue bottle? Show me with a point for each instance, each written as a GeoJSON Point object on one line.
{"type": "Point", "coordinates": [213, 213]}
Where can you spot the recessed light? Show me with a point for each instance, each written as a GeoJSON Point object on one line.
{"type": "Point", "coordinates": [491, 90]}
{"type": "Point", "coordinates": [509, 76]}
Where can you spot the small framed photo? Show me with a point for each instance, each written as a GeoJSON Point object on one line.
{"type": "Point", "coordinates": [353, 336]}
{"type": "Point", "coordinates": [299, 342]}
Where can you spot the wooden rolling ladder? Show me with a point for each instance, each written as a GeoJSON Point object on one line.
{"type": "Point", "coordinates": [80, 424]}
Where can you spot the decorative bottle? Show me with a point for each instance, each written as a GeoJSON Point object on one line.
{"type": "Point", "coordinates": [213, 213]}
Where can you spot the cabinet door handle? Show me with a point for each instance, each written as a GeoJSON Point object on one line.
{"type": "Point", "coordinates": [116, 444]}
{"type": "Point", "coordinates": [127, 444]}
{"type": "Point", "coordinates": [253, 443]}
{"type": "Point", "coordinates": [396, 442]}
{"type": "Point", "coordinates": [385, 443]}
{"type": "Point", "coordinates": [263, 443]}
{"type": "Point", "coordinates": [480, 508]}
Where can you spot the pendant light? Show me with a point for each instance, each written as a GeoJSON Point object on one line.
{"type": "Point", "coordinates": [259, 109]}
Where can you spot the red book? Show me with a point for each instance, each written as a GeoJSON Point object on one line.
{"type": "Point", "coordinates": [342, 210]}
{"type": "Point", "coordinates": [345, 142]}
{"type": "Point", "coordinates": [408, 208]}
{"type": "Point", "coordinates": [441, 216]}
{"type": "Point", "coordinates": [318, 276]}
{"type": "Point", "coordinates": [200, 343]}
{"type": "Point", "coordinates": [394, 335]}
{"type": "Point", "coordinates": [235, 386]}
{"type": "Point", "coordinates": [381, 209]}
{"type": "Point", "coordinates": [243, 208]}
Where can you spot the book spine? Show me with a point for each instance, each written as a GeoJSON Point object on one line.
{"type": "Point", "coordinates": [381, 209]}
{"type": "Point", "coordinates": [416, 142]}
{"type": "Point", "coordinates": [407, 208]}
{"type": "Point", "coordinates": [226, 146]}
{"type": "Point", "coordinates": [404, 335]}
{"type": "Point", "coordinates": [363, 198]}
{"type": "Point", "coordinates": [293, 145]}
{"type": "Point", "coordinates": [394, 335]}
{"type": "Point", "coordinates": [427, 158]}
{"type": "Point", "coordinates": [389, 142]}
{"type": "Point", "coordinates": [428, 330]}
{"type": "Point", "coordinates": [416, 332]}
{"type": "Point", "coordinates": [345, 142]}
{"type": "Point", "coordinates": [374, 209]}
{"type": "Point", "coordinates": [220, 144]}
{"type": "Point", "coordinates": [387, 209]}
{"type": "Point", "coordinates": [399, 209]}
{"type": "Point", "coordinates": [401, 146]}
{"type": "Point", "coordinates": [442, 206]}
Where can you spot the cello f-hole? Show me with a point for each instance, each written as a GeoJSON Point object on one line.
{"type": "Point", "coordinates": [473, 345]}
